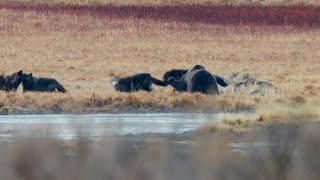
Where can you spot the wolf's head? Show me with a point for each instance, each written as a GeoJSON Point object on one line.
{"type": "Point", "coordinates": [174, 73]}
{"type": "Point", "coordinates": [13, 81]}
{"type": "Point", "coordinates": [119, 84]}
{"type": "Point", "coordinates": [28, 80]}
{"type": "Point", "coordinates": [115, 81]}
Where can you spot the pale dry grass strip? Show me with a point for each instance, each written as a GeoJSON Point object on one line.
{"type": "Point", "coordinates": [178, 2]}
{"type": "Point", "coordinates": [265, 114]}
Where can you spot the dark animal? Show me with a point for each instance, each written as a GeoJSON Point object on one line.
{"type": "Point", "coordinates": [196, 79]}
{"type": "Point", "coordinates": [11, 82]}
{"type": "Point", "coordinates": [41, 84]}
{"type": "Point", "coordinates": [174, 73]}
{"type": "Point", "coordinates": [178, 73]}
{"type": "Point", "coordinates": [141, 81]}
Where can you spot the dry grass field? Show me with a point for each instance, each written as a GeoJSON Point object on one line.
{"type": "Point", "coordinates": [179, 2]}
{"type": "Point", "coordinates": [84, 50]}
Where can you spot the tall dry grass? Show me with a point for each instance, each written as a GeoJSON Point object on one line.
{"type": "Point", "coordinates": [84, 51]}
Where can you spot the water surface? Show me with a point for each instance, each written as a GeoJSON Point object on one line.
{"type": "Point", "coordinates": [99, 125]}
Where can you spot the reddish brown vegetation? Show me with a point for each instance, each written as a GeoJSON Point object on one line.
{"type": "Point", "coordinates": [297, 16]}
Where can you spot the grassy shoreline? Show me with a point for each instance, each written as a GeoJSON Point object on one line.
{"type": "Point", "coordinates": [142, 102]}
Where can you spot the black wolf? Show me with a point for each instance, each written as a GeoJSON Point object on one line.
{"type": "Point", "coordinates": [41, 84]}
{"type": "Point", "coordinates": [11, 82]}
{"type": "Point", "coordinates": [196, 79]}
{"type": "Point", "coordinates": [141, 81]}
{"type": "Point", "coordinates": [178, 73]}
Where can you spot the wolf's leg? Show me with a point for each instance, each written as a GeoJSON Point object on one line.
{"type": "Point", "coordinates": [149, 89]}
{"type": "Point", "coordinates": [51, 88]}
{"type": "Point", "coordinates": [132, 87]}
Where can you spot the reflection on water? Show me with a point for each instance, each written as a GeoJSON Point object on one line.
{"type": "Point", "coordinates": [98, 125]}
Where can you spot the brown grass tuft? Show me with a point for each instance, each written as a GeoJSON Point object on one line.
{"type": "Point", "coordinates": [233, 123]}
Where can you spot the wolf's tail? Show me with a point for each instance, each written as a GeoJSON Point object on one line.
{"type": "Point", "coordinates": [158, 82]}
{"type": "Point", "coordinates": [277, 90]}
{"type": "Point", "coordinates": [221, 81]}
{"type": "Point", "coordinates": [60, 88]}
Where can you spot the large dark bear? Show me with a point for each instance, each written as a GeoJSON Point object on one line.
{"type": "Point", "coordinates": [178, 73]}
{"type": "Point", "coordinates": [11, 82]}
{"type": "Point", "coordinates": [141, 81]}
{"type": "Point", "coordinates": [196, 79]}
{"type": "Point", "coordinates": [41, 84]}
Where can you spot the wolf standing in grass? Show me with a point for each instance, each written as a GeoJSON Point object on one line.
{"type": "Point", "coordinates": [11, 82]}
{"type": "Point", "coordinates": [141, 81]}
{"type": "Point", "coordinates": [41, 84]}
{"type": "Point", "coordinates": [249, 84]}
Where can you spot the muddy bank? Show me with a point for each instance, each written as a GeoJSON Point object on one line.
{"type": "Point", "coordinates": [303, 17]}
